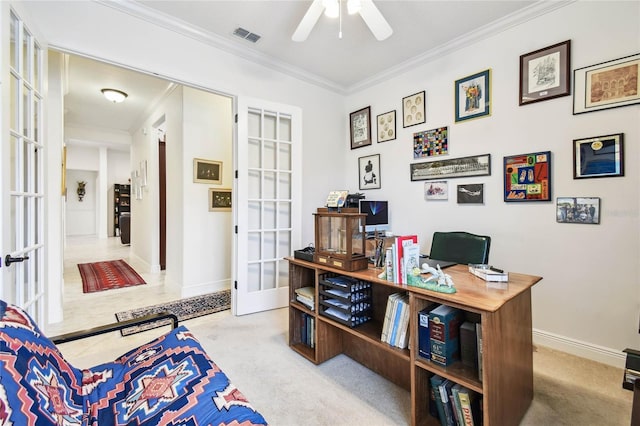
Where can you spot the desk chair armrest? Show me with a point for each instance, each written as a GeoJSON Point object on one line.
{"type": "Point", "coordinates": [116, 326]}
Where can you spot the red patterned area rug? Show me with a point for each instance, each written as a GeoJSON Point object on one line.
{"type": "Point", "coordinates": [107, 275]}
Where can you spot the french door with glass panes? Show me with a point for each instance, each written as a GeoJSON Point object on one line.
{"type": "Point", "coordinates": [22, 243]}
{"type": "Point", "coordinates": [268, 198]}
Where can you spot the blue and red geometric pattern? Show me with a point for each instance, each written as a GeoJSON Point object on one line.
{"type": "Point", "coordinates": [169, 381]}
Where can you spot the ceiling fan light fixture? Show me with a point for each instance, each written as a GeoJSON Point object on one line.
{"type": "Point", "coordinates": [331, 8]}
{"type": "Point", "coordinates": [353, 6]}
{"type": "Point", "coordinates": [114, 95]}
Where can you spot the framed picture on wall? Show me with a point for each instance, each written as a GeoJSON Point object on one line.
{"type": "Point", "coordinates": [207, 171]}
{"type": "Point", "coordinates": [475, 165]}
{"type": "Point", "coordinates": [369, 172]}
{"type": "Point", "coordinates": [473, 96]}
{"type": "Point", "coordinates": [545, 73]}
{"type": "Point", "coordinates": [527, 177]}
{"type": "Point", "coordinates": [606, 85]}
{"type": "Point", "coordinates": [386, 126]}
{"type": "Point", "coordinates": [219, 200]}
{"type": "Point", "coordinates": [360, 128]}
{"type": "Point", "coordinates": [413, 109]}
{"type": "Point", "coordinates": [578, 210]}
{"type": "Point", "coordinates": [600, 156]}
{"type": "Point", "coordinates": [436, 190]}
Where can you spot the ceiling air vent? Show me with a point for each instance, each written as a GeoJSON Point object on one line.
{"type": "Point", "coordinates": [247, 35]}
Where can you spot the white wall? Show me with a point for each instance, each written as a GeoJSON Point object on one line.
{"type": "Point", "coordinates": [588, 302]}
{"type": "Point", "coordinates": [581, 307]}
{"type": "Point", "coordinates": [207, 134]}
{"type": "Point", "coordinates": [81, 215]}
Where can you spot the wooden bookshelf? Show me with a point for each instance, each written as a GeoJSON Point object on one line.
{"type": "Point", "coordinates": [505, 314]}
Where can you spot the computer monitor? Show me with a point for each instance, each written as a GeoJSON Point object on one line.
{"type": "Point", "coordinates": [377, 215]}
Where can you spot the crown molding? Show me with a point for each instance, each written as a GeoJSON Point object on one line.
{"type": "Point", "coordinates": [171, 23]}
{"type": "Point", "coordinates": [537, 9]}
{"type": "Point", "coordinates": [176, 25]}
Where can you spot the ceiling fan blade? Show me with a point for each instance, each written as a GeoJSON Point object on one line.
{"type": "Point", "coordinates": [308, 21]}
{"type": "Point", "coordinates": [375, 21]}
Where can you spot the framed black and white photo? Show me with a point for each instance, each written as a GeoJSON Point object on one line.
{"type": "Point", "coordinates": [413, 109]}
{"type": "Point", "coordinates": [606, 85]}
{"type": "Point", "coordinates": [471, 193]}
{"type": "Point", "coordinates": [578, 210]}
{"type": "Point", "coordinates": [219, 200]}
{"type": "Point", "coordinates": [545, 73]}
{"type": "Point", "coordinates": [360, 128]}
{"type": "Point", "coordinates": [600, 156]}
{"type": "Point", "coordinates": [476, 165]}
{"type": "Point", "coordinates": [386, 126]}
{"type": "Point", "coordinates": [369, 172]}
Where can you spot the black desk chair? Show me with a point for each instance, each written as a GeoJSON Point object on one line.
{"type": "Point", "coordinates": [460, 247]}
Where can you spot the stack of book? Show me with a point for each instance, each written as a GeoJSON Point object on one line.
{"type": "Point", "coordinates": [308, 330]}
{"type": "Point", "coordinates": [401, 258]}
{"type": "Point", "coordinates": [444, 330]}
{"type": "Point", "coordinates": [306, 296]}
{"type": "Point", "coordinates": [488, 273]}
{"type": "Point", "coordinates": [395, 328]}
{"type": "Point", "coordinates": [455, 404]}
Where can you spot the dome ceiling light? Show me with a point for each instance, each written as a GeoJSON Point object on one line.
{"type": "Point", "coordinates": [114, 95]}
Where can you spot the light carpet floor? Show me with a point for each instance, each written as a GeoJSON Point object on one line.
{"type": "Point", "coordinates": [289, 390]}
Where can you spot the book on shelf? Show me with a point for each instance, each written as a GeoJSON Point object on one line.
{"type": "Point", "coordinates": [410, 260]}
{"type": "Point", "coordinates": [388, 263]}
{"type": "Point", "coordinates": [486, 273]}
{"type": "Point", "coordinates": [444, 329]}
{"type": "Point", "coordinates": [445, 389]}
{"type": "Point", "coordinates": [387, 317]}
{"type": "Point", "coordinates": [470, 407]}
{"type": "Point", "coordinates": [396, 320]}
{"type": "Point", "coordinates": [306, 296]}
{"type": "Point", "coordinates": [436, 381]}
{"type": "Point", "coordinates": [402, 340]}
{"type": "Point", "coordinates": [468, 344]}
{"type": "Point", "coordinates": [455, 389]}
{"type": "Point", "coordinates": [424, 337]}
{"type": "Point", "coordinates": [479, 348]}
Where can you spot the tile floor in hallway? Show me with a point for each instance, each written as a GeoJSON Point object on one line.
{"type": "Point", "coordinates": [86, 310]}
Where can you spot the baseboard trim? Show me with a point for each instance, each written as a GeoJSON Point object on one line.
{"type": "Point", "coordinates": [587, 350]}
{"type": "Point", "coordinates": [204, 288]}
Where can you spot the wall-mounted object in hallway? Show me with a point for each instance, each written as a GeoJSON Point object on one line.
{"type": "Point", "coordinates": [81, 189]}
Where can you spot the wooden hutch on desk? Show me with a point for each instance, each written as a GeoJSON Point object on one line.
{"type": "Point", "coordinates": [505, 314]}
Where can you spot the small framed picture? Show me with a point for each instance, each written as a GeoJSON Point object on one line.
{"type": "Point", "coordinates": [369, 171]}
{"type": "Point", "coordinates": [207, 171]}
{"type": "Point", "coordinates": [527, 177]}
{"type": "Point", "coordinates": [545, 73]}
{"type": "Point", "coordinates": [431, 143]}
{"type": "Point", "coordinates": [360, 128]}
{"type": "Point", "coordinates": [473, 96]}
{"type": "Point", "coordinates": [600, 156]}
{"type": "Point", "coordinates": [578, 210]}
{"type": "Point", "coordinates": [436, 190]}
{"type": "Point", "coordinates": [386, 126]}
{"type": "Point", "coordinates": [471, 193]}
{"type": "Point", "coordinates": [219, 200]}
{"type": "Point", "coordinates": [475, 165]}
{"type": "Point", "coordinates": [413, 109]}
{"type": "Point", "coordinates": [606, 85]}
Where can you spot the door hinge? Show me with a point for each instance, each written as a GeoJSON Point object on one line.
{"type": "Point", "coordinates": [236, 229]}
{"type": "Point", "coordinates": [235, 285]}
{"type": "Point", "coordinates": [236, 118]}
{"type": "Point", "coordinates": [236, 174]}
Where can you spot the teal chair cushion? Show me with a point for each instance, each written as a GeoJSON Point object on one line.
{"type": "Point", "coordinates": [460, 247]}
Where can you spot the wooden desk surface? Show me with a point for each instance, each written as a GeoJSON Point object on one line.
{"type": "Point", "coordinates": [471, 291]}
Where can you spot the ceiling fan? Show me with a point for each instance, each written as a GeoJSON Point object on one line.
{"type": "Point", "coordinates": [333, 8]}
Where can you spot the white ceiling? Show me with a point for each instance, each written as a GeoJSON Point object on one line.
{"type": "Point", "coordinates": [421, 30]}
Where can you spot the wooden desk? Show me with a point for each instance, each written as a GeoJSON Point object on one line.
{"type": "Point", "coordinates": [505, 314]}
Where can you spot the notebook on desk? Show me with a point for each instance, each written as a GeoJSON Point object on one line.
{"type": "Point", "coordinates": [435, 262]}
